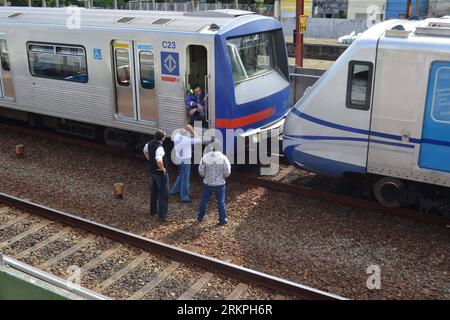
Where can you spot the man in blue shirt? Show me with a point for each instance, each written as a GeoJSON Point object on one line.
{"type": "Point", "coordinates": [196, 104]}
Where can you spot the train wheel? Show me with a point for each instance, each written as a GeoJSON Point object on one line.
{"type": "Point", "coordinates": [389, 192]}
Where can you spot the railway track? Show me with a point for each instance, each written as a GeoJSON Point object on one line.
{"type": "Point", "coordinates": [258, 181]}
{"type": "Point", "coordinates": [123, 265]}
{"type": "Point", "coordinates": [340, 199]}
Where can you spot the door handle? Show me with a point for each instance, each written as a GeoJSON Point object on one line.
{"type": "Point", "coordinates": [207, 97]}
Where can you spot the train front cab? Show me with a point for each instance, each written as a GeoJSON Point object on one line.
{"type": "Point", "coordinates": [327, 131]}
{"type": "Point", "coordinates": [252, 81]}
{"type": "Point", "coordinates": [398, 130]}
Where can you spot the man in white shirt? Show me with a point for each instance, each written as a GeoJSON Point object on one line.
{"type": "Point", "coordinates": [183, 140]}
{"type": "Point", "coordinates": [214, 168]}
{"type": "Point", "coordinates": [159, 178]}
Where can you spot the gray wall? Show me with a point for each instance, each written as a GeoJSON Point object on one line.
{"type": "Point", "coordinates": [439, 8]}
{"type": "Point", "coordinates": [325, 28]}
{"type": "Point", "coordinates": [301, 79]}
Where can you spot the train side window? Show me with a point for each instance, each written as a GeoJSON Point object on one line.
{"type": "Point", "coordinates": [147, 69]}
{"type": "Point", "coordinates": [122, 67]}
{"type": "Point", "coordinates": [4, 55]}
{"type": "Point", "coordinates": [359, 85]}
{"type": "Point", "coordinates": [62, 62]}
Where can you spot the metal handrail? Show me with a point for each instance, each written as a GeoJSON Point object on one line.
{"type": "Point", "coordinates": [304, 75]}
{"type": "Point", "coordinates": [206, 99]}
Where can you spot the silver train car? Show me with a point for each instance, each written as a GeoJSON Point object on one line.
{"type": "Point", "coordinates": [117, 72]}
{"type": "Point", "coordinates": [383, 110]}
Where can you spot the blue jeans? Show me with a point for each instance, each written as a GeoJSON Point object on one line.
{"type": "Point", "coordinates": [220, 197]}
{"type": "Point", "coordinates": [159, 196]}
{"type": "Point", "coordinates": [182, 184]}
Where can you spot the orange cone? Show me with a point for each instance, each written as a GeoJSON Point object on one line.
{"type": "Point", "coordinates": [20, 150]}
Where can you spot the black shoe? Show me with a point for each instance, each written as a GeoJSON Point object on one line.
{"type": "Point", "coordinates": [199, 220]}
{"type": "Point", "coordinates": [186, 201]}
{"type": "Point", "coordinates": [160, 219]}
{"type": "Point", "coordinates": [222, 223]}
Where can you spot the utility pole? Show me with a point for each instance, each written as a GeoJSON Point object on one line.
{"type": "Point", "coordinates": [299, 10]}
{"type": "Point", "coordinates": [408, 9]}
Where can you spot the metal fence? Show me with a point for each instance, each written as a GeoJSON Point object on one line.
{"type": "Point", "coordinates": [191, 6]}
{"type": "Point", "coordinates": [188, 6]}
{"type": "Point", "coordinates": [325, 28]}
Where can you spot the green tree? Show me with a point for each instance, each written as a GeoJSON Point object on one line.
{"type": "Point", "coordinates": [259, 5]}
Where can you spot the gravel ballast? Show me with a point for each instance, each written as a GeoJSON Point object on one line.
{"type": "Point", "coordinates": [316, 243]}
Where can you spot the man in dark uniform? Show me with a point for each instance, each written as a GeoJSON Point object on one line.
{"type": "Point", "coordinates": [158, 163]}
{"type": "Point", "coordinates": [195, 102]}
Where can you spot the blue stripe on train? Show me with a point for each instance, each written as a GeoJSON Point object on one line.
{"type": "Point", "coordinates": [367, 132]}
{"type": "Point", "coordinates": [293, 137]}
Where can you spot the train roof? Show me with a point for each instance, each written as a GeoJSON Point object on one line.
{"type": "Point", "coordinates": [431, 34]}
{"type": "Point", "coordinates": [212, 21]}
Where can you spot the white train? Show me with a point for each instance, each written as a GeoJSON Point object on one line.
{"type": "Point", "coordinates": [382, 109]}
{"type": "Point", "coordinates": [125, 72]}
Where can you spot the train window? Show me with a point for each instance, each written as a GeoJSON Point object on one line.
{"type": "Point", "coordinates": [440, 108]}
{"type": "Point", "coordinates": [58, 62]}
{"type": "Point", "coordinates": [147, 69]}
{"type": "Point", "coordinates": [70, 51]}
{"type": "Point", "coordinates": [359, 85]}
{"type": "Point", "coordinates": [122, 67]}
{"type": "Point", "coordinates": [41, 48]}
{"type": "Point", "coordinates": [4, 55]}
{"type": "Point", "coordinates": [251, 55]}
{"type": "Point", "coordinates": [237, 66]}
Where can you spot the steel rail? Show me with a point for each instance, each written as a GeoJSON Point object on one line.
{"type": "Point", "coordinates": [185, 256]}
{"type": "Point", "coordinates": [340, 199]}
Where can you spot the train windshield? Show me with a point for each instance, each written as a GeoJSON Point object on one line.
{"type": "Point", "coordinates": [253, 55]}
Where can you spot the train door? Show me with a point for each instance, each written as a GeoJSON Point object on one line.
{"type": "Point", "coordinates": [435, 147]}
{"type": "Point", "coordinates": [6, 79]}
{"type": "Point", "coordinates": [134, 77]}
{"type": "Point", "coordinates": [145, 82]}
{"type": "Point", "coordinates": [197, 73]}
{"type": "Point", "coordinates": [124, 79]}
